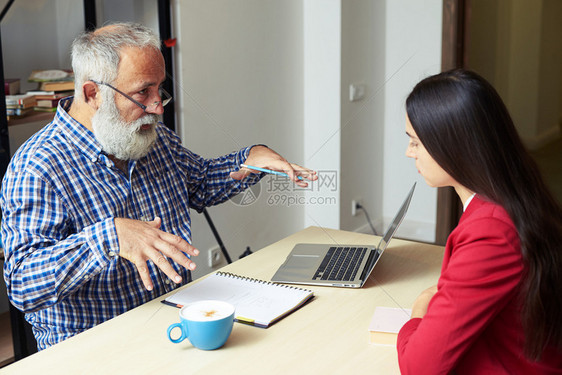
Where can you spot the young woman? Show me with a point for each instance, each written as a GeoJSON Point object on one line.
{"type": "Point", "coordinates": [497, 307]}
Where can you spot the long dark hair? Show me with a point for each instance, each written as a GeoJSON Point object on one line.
{"type": "Point", "coordinates": [464, 125]}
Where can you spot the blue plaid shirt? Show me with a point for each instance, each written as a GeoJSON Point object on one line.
{"type": "Point", "coordinates": [59, 197]}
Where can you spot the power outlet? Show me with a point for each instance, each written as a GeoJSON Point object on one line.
{"type": "Point", "coordinates": [214, 256]}
{"type": "Point", "coordinates": [355, 203]}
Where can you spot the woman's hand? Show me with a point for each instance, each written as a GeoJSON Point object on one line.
{"type": "Point", "coordinates": [419, 309]}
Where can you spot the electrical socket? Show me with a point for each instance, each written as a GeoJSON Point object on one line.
{"type": "Point", "coordinates": [214, 256]}
{"type": "Point", "coordinates": [354, 205]}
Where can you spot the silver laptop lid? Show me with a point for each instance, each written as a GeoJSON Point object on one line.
{"type": "Point", "coordinates": [396, 221]}
{"type": "Point", "coordinates": [383, 243]}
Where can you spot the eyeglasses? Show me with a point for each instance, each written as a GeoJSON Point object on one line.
{"type": "Point", "coordinates": [164, 95]}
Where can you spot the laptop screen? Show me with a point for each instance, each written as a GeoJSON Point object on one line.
{"type": "Point", "coordinates": [396, 222]}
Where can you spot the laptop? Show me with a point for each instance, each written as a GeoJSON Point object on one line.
{"type": "Point", "coordinates": [334, 264]}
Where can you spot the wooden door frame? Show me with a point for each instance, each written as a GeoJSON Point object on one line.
{"type": "Point", "coordinates": [453, 55]}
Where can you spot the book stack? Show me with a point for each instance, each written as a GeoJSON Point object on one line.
{"type": "Point", "coordinates": [53, 85]}
{"type": "Point", "coordinates": [47, 101]}
{"type": "Point", "coordinates": [11, 86]}
{"type": "Point", "coordinates": [53, 80]}
{"type": "Point", "coordinates": [19, 105]}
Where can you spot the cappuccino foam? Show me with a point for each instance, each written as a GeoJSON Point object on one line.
{"type": "Point", "coordinates": [207, 311]}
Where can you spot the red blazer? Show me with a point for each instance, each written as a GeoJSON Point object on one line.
{"type": "Point", "coordinates": [472, 323]}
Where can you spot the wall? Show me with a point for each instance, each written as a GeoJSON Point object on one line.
{"type": "Point", "coordinates": [278, 73]}
{"type": "Point", "coordinates": [240, 80]}
{"type": "Point", "coordinates": [389, 46]}
{"type": "Point", "coordinates": [362, 121]}
{"type": "Point", "coordinates": [142, 11]}
{"type": "Point", "coordinates": [516, 45]}
{"type": "Point", "coordinates": [322, 68]}
{"type": "Point", "coordinates": [550, 74]}
{"type": "Point", "coordinates": [32, 39]}
{"type": "Point", "coordinates": [37, 34]}
{"type": "Point", "coordinates": [413, 51]}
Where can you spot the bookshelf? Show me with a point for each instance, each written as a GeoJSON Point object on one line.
{"type": "Point", "coordinates": [20, 129]}
{"type": "Point", "coordinates": [32, 118]}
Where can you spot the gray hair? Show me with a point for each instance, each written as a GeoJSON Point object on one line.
{"type": "Point", "coordinates": [96, 54]}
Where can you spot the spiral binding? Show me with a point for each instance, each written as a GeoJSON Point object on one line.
{"type": "Point", "coordinates": [252, 280]}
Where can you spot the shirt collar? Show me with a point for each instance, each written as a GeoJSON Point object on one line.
{"type": "Point", "coordinates": [468, 202]}
{"type": "Point", "coordinates": [77, 133]}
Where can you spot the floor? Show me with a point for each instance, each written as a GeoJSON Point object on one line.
{"type": "Point", "coordinates": [6, 346]}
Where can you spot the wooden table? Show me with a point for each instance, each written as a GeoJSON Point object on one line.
{"type": "Point", "coordinates": [329, 335]}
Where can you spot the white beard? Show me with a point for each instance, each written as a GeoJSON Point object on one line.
{"type": "Point", "coordinates": [121, 139]}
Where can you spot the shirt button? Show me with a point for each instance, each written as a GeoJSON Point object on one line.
{"type": "Point", "coordinates": [112, 254]}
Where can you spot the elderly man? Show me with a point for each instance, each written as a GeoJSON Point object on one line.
{"type": "Point", "coordinates": [96, 205]}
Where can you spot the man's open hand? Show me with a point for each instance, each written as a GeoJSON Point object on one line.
{"type": "Point", "coordinates": [140, 241]}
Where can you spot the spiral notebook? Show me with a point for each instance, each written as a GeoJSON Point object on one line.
{"type": "Point", "coordinates": [257, 302]}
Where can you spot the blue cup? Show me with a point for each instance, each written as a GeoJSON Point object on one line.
{"type": "Point", "coordinates": [207, 324]}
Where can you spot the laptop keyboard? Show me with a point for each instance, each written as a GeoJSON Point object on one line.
{"type": "Point", "coordinates": [340, 264]}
